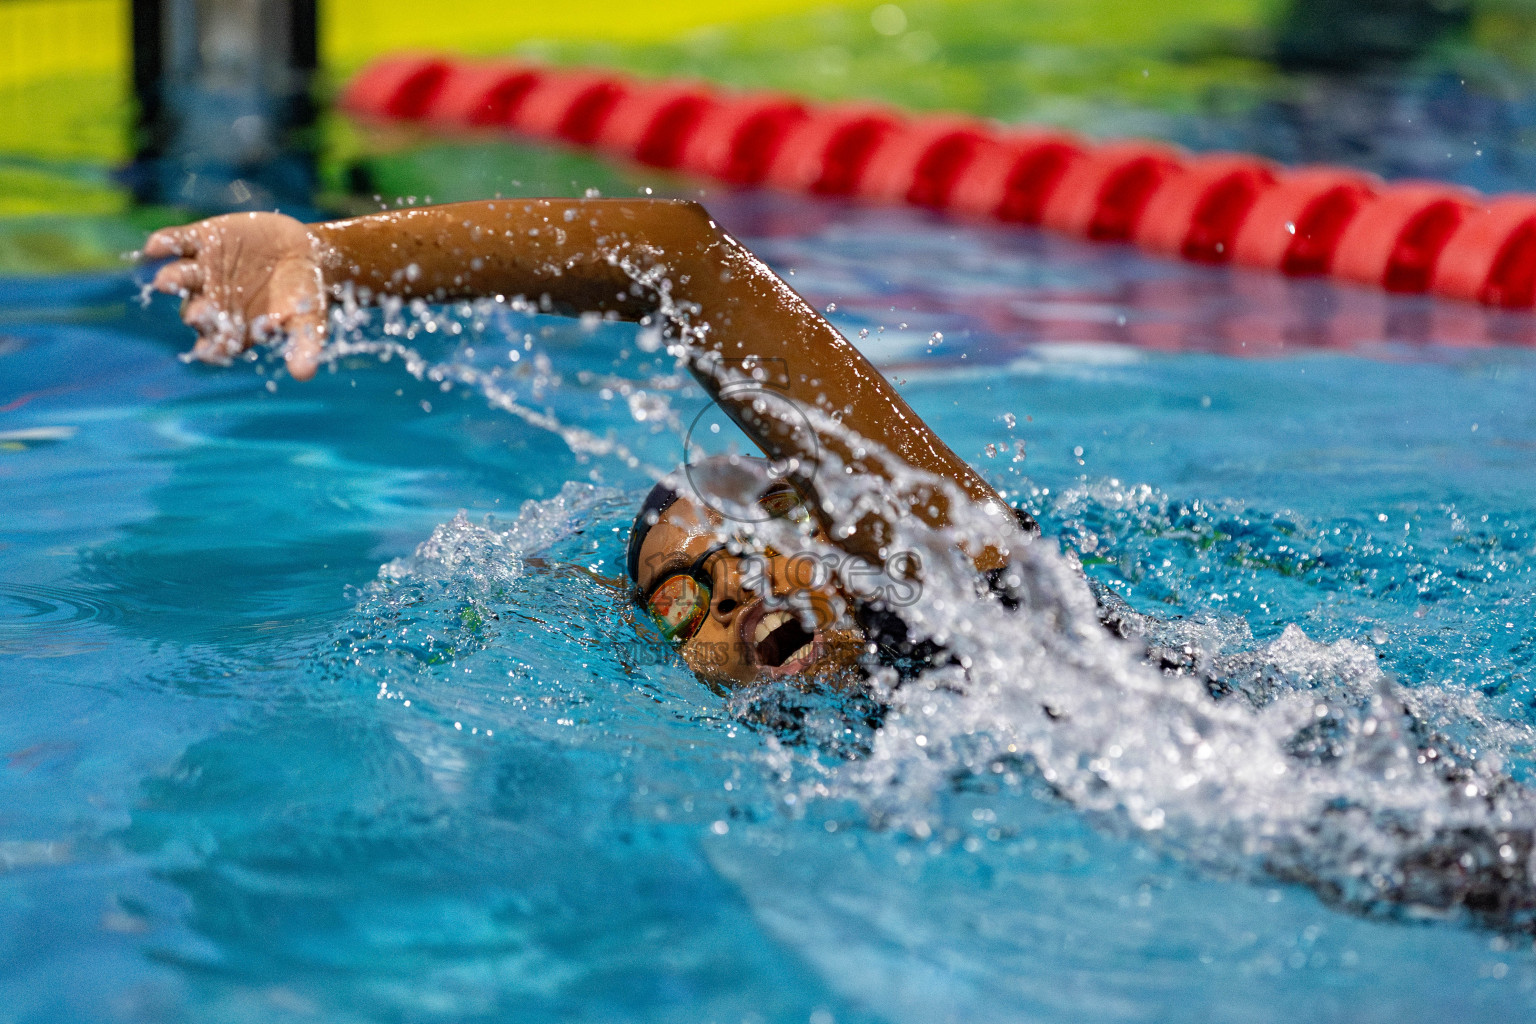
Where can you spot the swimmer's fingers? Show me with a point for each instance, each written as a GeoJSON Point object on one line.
{"type": "Point", "coordinates": [299, 310]}
{"type": "Point", "coordinates": [180, 241]}
{"type": "Point", "coordinates": [220, 337]}
{"type": "Point", "coordinates": [179, 278]}
{"type": "Point", "coordinates": [306, 340]}
{"type": "Point", "coordinates": [201, 314]}
{"type": "Point", "coordinates": [217, 347]}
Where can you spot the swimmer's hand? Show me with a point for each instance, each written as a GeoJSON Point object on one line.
{"type": "Point", "coordinates": [246, 278]}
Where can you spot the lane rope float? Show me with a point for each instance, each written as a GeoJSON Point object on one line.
{"type": "Point", "coordinates": [1409, 237]}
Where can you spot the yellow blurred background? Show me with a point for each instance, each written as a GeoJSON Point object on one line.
{"type": "Point", "coordinates": [66, 108]}
{"type": "Point", "coordinates": [1101, 67]}
{"type": "Point", "coordinates": [64, 63]}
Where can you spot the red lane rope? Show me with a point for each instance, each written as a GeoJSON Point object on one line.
{"type": "Point", "coordinates": [1216, 208]}
{"type": "Point", "coordinates": [1013, 177]}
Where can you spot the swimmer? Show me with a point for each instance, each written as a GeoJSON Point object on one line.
{"type": "Point", "coordinates": [736, 610]}
{"type": "Point", "coordinates": [713, 556]}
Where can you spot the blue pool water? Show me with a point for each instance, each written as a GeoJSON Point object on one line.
{"type": "Point", "coordinates": [318, 707]}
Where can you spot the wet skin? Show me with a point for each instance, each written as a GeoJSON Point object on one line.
{"type": "Point", "coordinates": [769, 616]}
{"type": "Point", "coordinates": [256, 277]}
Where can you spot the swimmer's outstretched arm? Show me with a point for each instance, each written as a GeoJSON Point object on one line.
{"type": "Point", "coordinates": [654, 261]}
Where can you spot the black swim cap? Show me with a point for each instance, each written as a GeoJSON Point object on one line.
{"type": "Point", "coordinates": [651, 510]}
{"type": "Point", "coordinates": [728, 485]}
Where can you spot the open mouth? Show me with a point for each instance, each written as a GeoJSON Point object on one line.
{"type": "Point", "coordinates": [779, 640]}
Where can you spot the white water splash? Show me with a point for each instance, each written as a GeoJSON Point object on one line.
{"type": "Point", "coordinates": [1324, 774]}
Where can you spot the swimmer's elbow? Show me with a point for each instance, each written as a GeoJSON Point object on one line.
{"type": "Point", "coordinates": [691, 216]}
{"type": "Point", "coordinates": [691, 208]}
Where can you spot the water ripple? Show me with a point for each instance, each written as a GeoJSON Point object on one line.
{"type": "Point", "coordinates": [50, 621]}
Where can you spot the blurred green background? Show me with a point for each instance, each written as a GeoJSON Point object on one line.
{"type": "Point", "coordinates": [1191, 70]}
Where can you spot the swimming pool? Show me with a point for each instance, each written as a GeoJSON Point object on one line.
{"type": "Point", "coordinates": [289, 736]}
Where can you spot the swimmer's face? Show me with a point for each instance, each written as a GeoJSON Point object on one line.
{"type": "Point", "coordinates": [744, 613]}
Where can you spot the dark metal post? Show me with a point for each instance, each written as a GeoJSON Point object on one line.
{"type": "Point", "coordinates": [225, 113]}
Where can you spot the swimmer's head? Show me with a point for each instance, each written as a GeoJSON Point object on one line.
{"type": "Point", "coordinates": [724, 565]}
